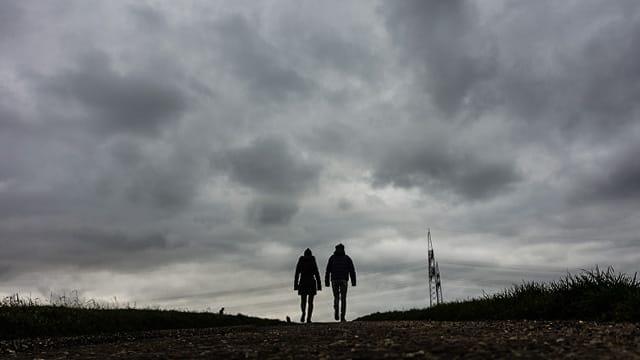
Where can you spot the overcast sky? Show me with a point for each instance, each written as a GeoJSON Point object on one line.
{"type": "Point", "coordinates": [184, 154]}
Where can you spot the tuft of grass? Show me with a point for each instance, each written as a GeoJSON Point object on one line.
{"type": "Point", "coordinates": [24, 317]}
{"type": "Point", "coordinates": [590, 295]}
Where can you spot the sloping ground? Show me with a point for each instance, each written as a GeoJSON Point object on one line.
{"type": "Point", "coordinates": [22, 321]}
{"type": "Point", "coordinates": [594, 295]}
{"type": "Point", "coordinates": [354, 340]}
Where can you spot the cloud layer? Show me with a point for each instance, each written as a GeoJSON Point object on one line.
{"type": "Point", "coordinates": [203, 148]}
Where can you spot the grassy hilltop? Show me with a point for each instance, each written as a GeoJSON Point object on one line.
{"type": "Point", "coordinates": [591, 295]}
{"type": "Point", "coordinates": [21, 318]}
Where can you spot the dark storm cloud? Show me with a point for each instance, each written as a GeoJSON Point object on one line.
{"type": "Point", "coordinates": [82, 247]}
{"type": "Point", "coordinates": [440, 39]}
{"type": "Point", "coordinates": [10, 120]}
{"type": "Point", "coordinates": [117, 241]}
{"type": "Point", "coordinates": [434, 167]}
{"type": "Point", "coordinates": [260, 65]}
{"type": "Point", "coordinates": [116, 103]}
{"type": "Point", "coordinates": [269, 165]}
{"type": "Point", "coordinates": [615, 179]}
{"type": "Point", "coordinates": [325, 48]}
{"type": "Point", "coordinates": [333, 52]}
{"type": "Point", "coordinates": [11, 16]}
{"type": "Point", "coordinates": [579, 77]}
{"type": "Point", "coordinates": [271, 212]}
{"type": "Point", "coordinates": [278, 175]}
{"type": "Point", "coordinates": [588, 87]}
{"type": "Point", "coordinates": [25, 204]}
{"type": "Point", "coordinates": [612, 90]}
{"type": "Point", "coordinates": [141, 176]}
{"type": "Point", "coordinates": [148, 18]}
{"type": "Point", "coordinates": [332, 137]}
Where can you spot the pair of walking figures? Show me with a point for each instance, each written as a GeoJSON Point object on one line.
{"type": "Point", "coordinates": [307, 280]}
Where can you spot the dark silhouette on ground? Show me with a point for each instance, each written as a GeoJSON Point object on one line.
{"type": "Point", "coordinates": [221, 312]}
{"type": "Point", "coordinates": [339, 270]}
{"type": "Point", "coordinates": [306, 281]}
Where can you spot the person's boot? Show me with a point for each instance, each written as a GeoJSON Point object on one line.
{"type": "Point", "coordinates": [335, 313]}
{"type": "Point", "coordinates": [302, 318]}
{"type": "Point", "coordinates": [309, 316]}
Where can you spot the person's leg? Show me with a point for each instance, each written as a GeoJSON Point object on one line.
{"type": "Point", "coordinates": [310, 308]}
{"type": "Point", "coordinates": [343, 300]}
{"type": "Point", "coordinates": [303, 305]}
{"type": "Point", "coordinates": [336, 295]}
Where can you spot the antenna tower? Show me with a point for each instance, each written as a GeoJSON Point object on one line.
{"type": "Point", "coordinates": [435, 286]}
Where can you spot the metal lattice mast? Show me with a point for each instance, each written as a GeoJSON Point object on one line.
{"type": "Point", "coordinates": [435, 286]}
{"type": "Point", "coordinates": [431, 263]}
{"type": "Point", "coordinates": [438, 286]}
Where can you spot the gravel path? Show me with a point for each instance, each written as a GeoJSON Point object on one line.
{"type": "Point", "coordinates": [353, 340]}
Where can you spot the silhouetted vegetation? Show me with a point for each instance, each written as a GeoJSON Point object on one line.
{"type": "Point", "coordinates": [591, 295]}
{"type": "Point", "coordinates": [25, 317]}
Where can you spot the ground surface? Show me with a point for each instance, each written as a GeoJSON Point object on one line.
{"type": "Point", "coordinates": [353, 340]}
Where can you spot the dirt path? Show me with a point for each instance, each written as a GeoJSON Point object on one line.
{"type": "Point", "coordinates": [356, 340]}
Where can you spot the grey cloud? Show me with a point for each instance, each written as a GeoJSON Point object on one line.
{"type": "Point", "coordinates": [442, 37]}
{"type": "Point", "coordinates": [117, 241]}
{"type": "Point", "coordinates": [279, 176]}
{"type": "Point", "coordinates": [81, 247]}
{"type": "Point", "coordinates": [616, 179]}
{"type": "Point", "coordinates": [269, 165]}
{"type": "Point", "coordinates": [586, 86]}
{"type": "Point", "coordinates": [257, 63]}
{"type": "Point", "coordinates": [336, 53]}
{"type": "Point", "coordinates": [433, 167]}
{"type": "Point", "coordinates": [345, 204]}
{"type": "Point", "coordinates": [10, 120]}
{"type": "Point", "coordinates": [271, 212]}
{"type": "Point", "coordinates": [11, 17]}
{"type": "Point", "coordinates": [332, 137]}
{"type": "Point", "coordinates": [148, 18]}
{"type": "Point", "coordinates": [117, 103]}
{"type": "Point", "coordinates": [321, 47]}
{"type": "Point", "coordinates": [140, 176]}
{"type": "Point", "coordinates": [5, 270]}
{"type": "Point", "coordinates": [18, 204]}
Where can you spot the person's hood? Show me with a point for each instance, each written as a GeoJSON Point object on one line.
{"type": "Point", "coordinates": [307, 256]}
{"type": "Point", "coordinates": [339, 250]}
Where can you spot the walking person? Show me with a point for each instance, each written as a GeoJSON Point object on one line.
{"type": "Point", "coordinates": [339, 270]}
{"type": "Point", "coordinates": [306, 281]}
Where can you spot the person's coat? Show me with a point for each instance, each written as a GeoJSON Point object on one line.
{"type": "Point", "coordinates": [307, 277]}
{"type": "Point", "coordinates": [340, 267]}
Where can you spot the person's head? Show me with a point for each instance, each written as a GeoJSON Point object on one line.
{"type": "Point", "coordinates": [339, 249]}
{"type": "Point", "coordinates": [307, 252]}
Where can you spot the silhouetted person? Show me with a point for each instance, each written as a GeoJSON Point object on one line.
{"type": "Point", "coordinates": [339, 269]}
{"type": "Point", "coordinates": [306, 281]}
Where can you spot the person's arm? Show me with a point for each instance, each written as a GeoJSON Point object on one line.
{"type": "Point", "coordinates": [327, 272]}
{"type": "Point", "coordinates": [295, 277]}
{"type": "Point", "coordinates": [352, 272]}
